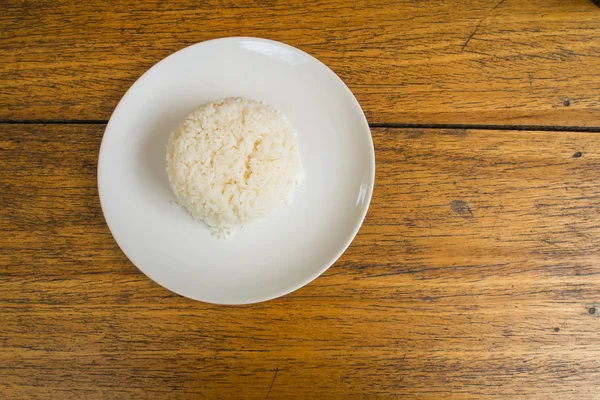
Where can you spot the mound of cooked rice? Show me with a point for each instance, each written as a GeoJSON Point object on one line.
{"type": "Point", "coordinates": [233, 161]}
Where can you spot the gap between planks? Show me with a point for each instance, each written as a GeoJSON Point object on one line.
{"type": "Point", "coordinates": [371, 125]}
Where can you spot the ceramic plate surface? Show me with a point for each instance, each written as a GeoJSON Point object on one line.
{"type": "Point", "coordinates": [268, 258]}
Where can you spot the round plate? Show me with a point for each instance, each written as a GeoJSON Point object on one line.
{"type": "Point", "coordinates": [268, 258]}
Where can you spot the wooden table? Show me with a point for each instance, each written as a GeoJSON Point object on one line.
{"type": "Point", "coordinates": [476, 273]}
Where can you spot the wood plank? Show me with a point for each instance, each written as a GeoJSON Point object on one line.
{"type": "Point", "coordinates": [432, 61]}
{"type": "Point", "coordinates": [475, 275]}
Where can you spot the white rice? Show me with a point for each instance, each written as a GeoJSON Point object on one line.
{"type": "Point", "coordinates": [233, 161]}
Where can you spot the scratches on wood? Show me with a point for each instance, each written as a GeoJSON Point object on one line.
{"type": "Point", "coordinates": [499, 4]}
{"type": "Point", "coordinates": [272, 382]}
{"type": "Point", "coordinates": [530, 76]}
{"type": "Point", "coordinates": [462, 208]}
{"type": "Point", "coordinates": [470, 36]}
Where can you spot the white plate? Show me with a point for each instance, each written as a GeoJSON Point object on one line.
{"type": "Point", "coordinates": [288, 248]}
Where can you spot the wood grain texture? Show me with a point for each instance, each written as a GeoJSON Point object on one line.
{"type": "Point", "coordinates": [475, 275]}
{"type": "Point", "coordinates": [428, 61]}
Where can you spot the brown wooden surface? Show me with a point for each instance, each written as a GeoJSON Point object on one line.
{"type": "Point", "coordinates": [433, 61]}
{"type": "Point", "coordinates": [475, 275]}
